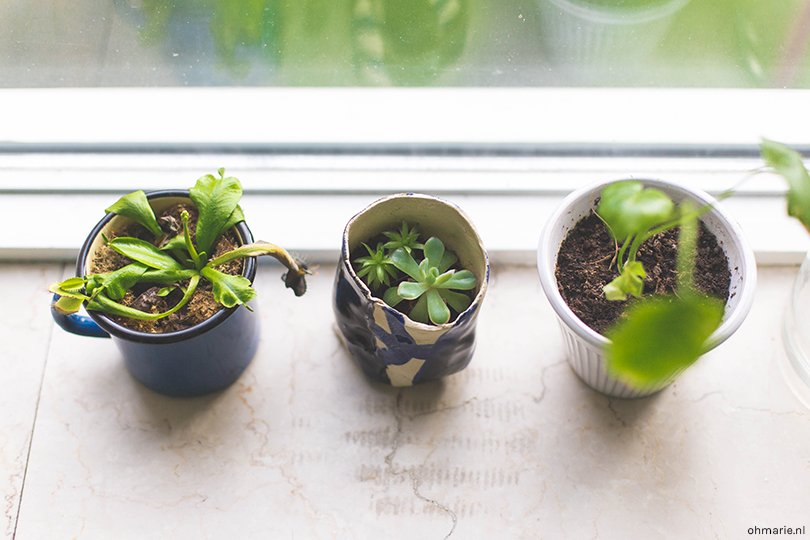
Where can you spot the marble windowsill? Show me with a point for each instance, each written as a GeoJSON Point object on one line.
{"type": "Point", "coordinates": [303, 446]}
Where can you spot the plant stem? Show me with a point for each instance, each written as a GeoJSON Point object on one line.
{"type": "Point", "coordinates": [687, 248]}
{"type": "Point", "coordinates": [105, 305]}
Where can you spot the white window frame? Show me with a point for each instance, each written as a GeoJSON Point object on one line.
{"type": "Point", "coordinates": [311, 158]}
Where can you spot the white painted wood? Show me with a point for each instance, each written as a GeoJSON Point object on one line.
{"type": "Point", "coordinates": [25, 330]}
{"type": "Point", "coordinates": [312, 224]}
{"type": "Point", "coordinates": [303, 446]}
{"type": "Point", "coordinates": [400, 115]}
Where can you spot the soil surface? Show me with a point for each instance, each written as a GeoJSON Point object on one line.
{"type": "Point", "coordinates": [584, 267]}
{"type": "Point", "coordinates": [406, 305]}
{"type": "Point", "coordinates": [144, 296]}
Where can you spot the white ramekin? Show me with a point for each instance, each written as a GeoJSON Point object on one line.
{"type": "Point", "coordinates": [585, 346]}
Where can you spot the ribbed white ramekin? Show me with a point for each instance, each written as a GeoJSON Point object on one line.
{"type": "Point", "coordinates": [585, 346]}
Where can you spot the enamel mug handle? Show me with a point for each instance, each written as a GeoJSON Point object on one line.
{"type": "Point", "coordinates": [81, 325]}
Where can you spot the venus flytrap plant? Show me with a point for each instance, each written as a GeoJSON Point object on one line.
{"type": "Point", "coordinates": [181, 261]}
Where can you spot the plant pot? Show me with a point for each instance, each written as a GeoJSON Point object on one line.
{"type": "Point", "coordinates": [796, 335]}
{"type": "Point", "coordinates": [198, 360]}
{"type": "Point", "coordinates": [586, 347]}
{"type": "Point", "coordinates": [388, 345]}
{"type": "Point", "coordinates": [587, 35]}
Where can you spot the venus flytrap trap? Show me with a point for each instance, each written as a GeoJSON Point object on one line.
{"type": "Point", "coordinates": [179, 259]}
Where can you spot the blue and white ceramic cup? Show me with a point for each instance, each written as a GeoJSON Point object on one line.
{"type": "Point", "coordinates": [198, 360]}
{"type": "Point", "coordinates": [388, 345]}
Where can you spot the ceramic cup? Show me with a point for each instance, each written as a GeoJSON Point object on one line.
{"type": "Point", "coordinates": [388, 345]}
{"type": "Point", "coordinates": [585, 346]}
{"type": "Point", "coordinates": [198, 360]}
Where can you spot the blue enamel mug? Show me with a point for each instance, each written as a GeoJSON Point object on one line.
{"type": "Point", "coordinates": [199, 360]}
{"type": "Point", "coordinates": [386, 343]}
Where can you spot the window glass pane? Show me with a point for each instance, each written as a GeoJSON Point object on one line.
{"type": "Point", "coordinates": [631, 43]}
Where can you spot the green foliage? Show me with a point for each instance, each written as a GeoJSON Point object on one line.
{"type": "Point", "coordinates": [788, 163]}
{"type": "Point", "coordinates": [144, 253]}
{"type": "Point", "coordinates": [629, 282]}
{"type": "Point", "coordinates": [633, 214]}
{"type": "Point", "coordinates": [136, 207]}
{"type": "Point", "coordinates": [216, 200]}
{"type": "Point", "coordinates": [660, 336]}
{"type": "Point", "coordinates": [406, 238]}
{"type": "Point", "coordinates": [181, 261]}
{"type": "Point", "coordinates": [629, 209]}
{"type": "Point", "coordinates": [229, 290]}
{"type": "Point", "coordinates": [376, 267]}
{"type": "Point", "coordinates": [434, 285]}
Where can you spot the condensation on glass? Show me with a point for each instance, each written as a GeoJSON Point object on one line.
{"type": "Point", "coordinates": [540, 43]}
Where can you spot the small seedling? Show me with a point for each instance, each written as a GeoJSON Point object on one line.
{"type": "Point", "coordinates": [433, 291]}
{"type": "Point", "coordinates": [660, 336]}
{"type": "Point", "coordinates": [633, 214]}
{"type": "Point", "coordinates": [406, 238]}
{"type": "Point", "coordinates": [177, 261]}
{"type": "Point", "coordinates": [377, 267]}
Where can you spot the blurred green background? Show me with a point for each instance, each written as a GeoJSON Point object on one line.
{"type": "Point", "coordinates": [625, 43]}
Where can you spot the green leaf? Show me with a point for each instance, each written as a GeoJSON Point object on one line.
{"type": "Point", "coordinates": [144, 253]}
{"type": "Point", "coordinates": [215, 199]}
{"type": "Point", "coordinates": [404, 262]}
{"type": "Point", "coordinates": [457, 301]}
{"type": "Point", "coordinates": [448, 260]}
{"type": "Point", "coordinates": [629, 209]}
{"type": "Point", "coordinates": [74, 284]}
{"type": "Point", "coordinates": [116, 283]}
{"type": "Point", "coordinates": [629, 282]}
{"type": "Point", "coordinates": [411, 291]}
{"type": "Point", "coordinates": [463, 280]}
{"type": "Point", "coordinates": [168, 277]}
{"type": "Point", "coordinates": [70, 288]}
{"type": "Point", "coordinates": [236, 216]}
{"type": "Point", "coordinates": [106, 305]}
{"type": "Point", "coordinates": [229, 290]}
{"type": "Point", "coordinates": [136, 207]}
{"type": "Point", "coordinates": [434, 251]}
{"type": "Point", "coordinates": [438, 311]}
{"type": "Point", "coordinates": [174, 244]}
{"type": "Point", "coordinates": [788, 164]}
{"type": "Point", "coordinates": [68, 305]}
{"type": "Point", "coordinates": [406, 238]}
{"type": "Point", "coordinates": [419, 313]}
{"type": "Point", "coordinates": [660, 336]}
{"type": "Point", "coordinates": [392, 297]}
{"type": "Point", "coordinates": [165, 291]}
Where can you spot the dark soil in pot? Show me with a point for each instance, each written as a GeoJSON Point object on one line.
{"type": "Point", "coordinates": [145, 296]}
{"type": "Point", "coordinates": [584, 267]}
